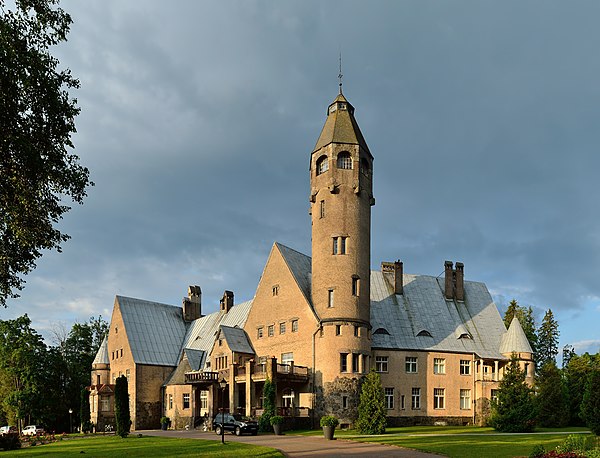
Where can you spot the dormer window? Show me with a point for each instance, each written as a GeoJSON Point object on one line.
{"type": "Point", "coordinates": [344, 161]}
{"type": "Point", "coordinates": [322, 165]}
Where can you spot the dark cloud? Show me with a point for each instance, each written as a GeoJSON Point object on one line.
{"type": "Point", "coordinates": [198, 120]}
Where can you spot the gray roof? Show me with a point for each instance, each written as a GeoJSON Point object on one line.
{"type": "Point", "coordinates": [237, 339]}
{"type": "Point", "coordinates": [202, 332]}
{"type": "Point", "coordinates": [102, 355]}
{"type": "Point", "coordinates": [196, 358]}
{"type": "Point", "coordinates": [472, 326]}
{"type": "Point", "coordinates": [300, 266]}
{"type": "Point", "coordinates": [515, 339]}
{"type": "Point", "coordinates": [154, 330]}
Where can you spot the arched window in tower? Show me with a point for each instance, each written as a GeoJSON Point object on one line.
{"type": "Point", "coordinates": [344, 161]}
{"type": "Point", "coordinates": [365, 167]}
{"type": "Point", "coordinates": [322, 165]}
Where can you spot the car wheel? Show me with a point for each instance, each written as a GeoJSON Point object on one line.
{"type": "Point", "coordinates": [238, 431]}
{"type": "Point", "coordinates": [218, 431]}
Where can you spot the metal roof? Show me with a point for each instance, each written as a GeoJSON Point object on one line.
{"type": "Point", "coordinates": [300, 266]}
{"type": "Point", "coordinates": [515, 339]}
{"type": "Point", "coordinates": [472, 326]}
{"type": "Point", "coordinates": [237, 339]}
{"type": "Point", "coordinates": [195, 358]}
{"type": "Point", "coordinates": [154, 330]}
{"type": "Point", "coordinates": [102, 355]}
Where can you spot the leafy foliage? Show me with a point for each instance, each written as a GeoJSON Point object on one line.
{"type": "Point", "coordinates": [269, 394]}
{"type": "Point", "coordinates": [37, 172]}
{"type": "Point", "coordinates": [122, 416]}
{"type": "Point", "coordinates": [590, 407]}
{"type": "Point", "coordinates": [547, 340]}
{"type": "Point", "coordinates": [371, 406]}
{"type": "Point", "coordinates": [513, 411]}
{"type": "Point", "coordinates": [576, 374]}
{"type": "Point", "coordinates": [551, 398]}
{"type": "Point", "coordinates": [329, 420]}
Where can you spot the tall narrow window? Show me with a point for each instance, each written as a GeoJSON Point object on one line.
{"type": "Point", "coordinates": [344, 402]}
{"type": "Point", "coordinates": [355, 359]}
{"type": "Point", "coordinates": [344, 161]}
{"type": "Point", "coordinates": [465, 399]}
{"type": "Point", "coordinates": [416, 398]}
{"type": "Point", "coordinates": [294, 325]}
{"type": "Point", "coordinates": [330, 298]}
{"type": "Point", "coordinates": [281, 328]}
{"type": "Point", "coordinates": [343, 362]}
{"type": "Point", "coordinates": [355, 286]}
{"type": "Point", "coordinates": [356, 331]}
{"type": "Point", "coordinates": [204, 399]}
{"type": "Point", "coordinates": [438, 398]}
{"type": "Point", "coordinates": [389, 398]}
{"type": "Point", "coordinates": [186, 400]}
{"type": "Point", "coordinates": [322, 213]}
{"type": "Point", "coordinates": [402, 404]}
{"type": "Point", "coordinates": [322, 165]}
{"type": "Point", "coordinates": [259, 333]}
{"type": "Point", "coordinates": [271, 330]}
{"type": "Point", "coordinates": [170, 401]}
{"type": "Point", "coordinates": [343, 245]}
{"type": "Point", "coordinates": [338, 330]}
{"type": "Point", "coordinates": [335, 245]}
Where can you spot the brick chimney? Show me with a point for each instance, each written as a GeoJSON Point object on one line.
{"type": "Point", "coordinates": [227, 301]}
{"type": "Point", "coordinates": [459, 282]}
{"type": "Point", "coordinates": [448, 280]}
{"type": "Point", "coordinates": [394, 271]}
{"type": "Point", "coordinates": [192, 304]}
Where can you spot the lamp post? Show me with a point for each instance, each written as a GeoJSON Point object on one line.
{"type": "Point", "coordinates": [223, 385]}
{"type": "Point", "coordinates": [71, 421]}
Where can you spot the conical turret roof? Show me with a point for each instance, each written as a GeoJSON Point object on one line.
{"type": "Point", "coordinates": [515, 340]}
{"type": "Point", "coordinates": [340, 126]}
{"type": "Point", "coordinates": [102, 355]}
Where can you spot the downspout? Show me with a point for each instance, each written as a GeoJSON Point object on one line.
{"type": "Point", "coordinates": [314, 362]}
{"type": "Point", "coordinates": [474, 389]}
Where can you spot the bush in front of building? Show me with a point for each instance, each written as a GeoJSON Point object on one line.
{"type": "Point", "coordinates": [122, 416]}
{"type": "Point", "coordinates": [371, 407]}
{"type": "Point", "coordinates": [269, 394]}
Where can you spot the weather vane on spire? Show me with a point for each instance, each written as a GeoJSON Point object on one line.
{"type": "Point", "coordinates": [340, 74]}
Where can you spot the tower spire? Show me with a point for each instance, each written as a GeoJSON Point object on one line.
{"type": "Point", "coordinates": [340, 73]}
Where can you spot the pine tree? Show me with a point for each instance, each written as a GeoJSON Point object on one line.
{"type": "Point", "coordinates": [513, 310]}
{"type": "Point", "coordinates": [576, 373]}
{"type": "Point", "coordinates": [551, 398]}
{"type": "Point", "coordinates": [371, 407]}
{"type": "Point", "coordinates": [269, 406]}
{"type": "Point", "coordinates": [513, 411]}
{"type": "Point", "coordinates": [122, 417]}
{"type": "Point", "coordinates": [547, 340]}
{"type": "Point", "coordinates": [590, 407]}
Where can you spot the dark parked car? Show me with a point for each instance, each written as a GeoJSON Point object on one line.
{"type": "Point", "coordinates": [235, 424]}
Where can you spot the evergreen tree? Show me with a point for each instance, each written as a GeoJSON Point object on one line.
{"type": "Point", "coordinates": [576, 374]}
{"type": "Point", "coordinates": [371, 407]}
{"type": "Point", "coordinates": [551, 397]}
{"type": "Point", "coordinates": [84, 411]}
{"type": "Point", "coordinates": [568, 353]}
{"type": "Point", "coordinates": [547, 340]}
{"type": "Point", "coordinates": [513, 310]}
{"type": "Point", "coordinates": [122, 417]}
{"type": "Point", "coordinates": [513, 411]}
{"type": "Point", "coordinates": [269, 406]}
{"type": "Point", "coordinates": [590, 407]}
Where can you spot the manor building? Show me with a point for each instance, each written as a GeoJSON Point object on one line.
{"type": "Point", "coordinates": [316, 325]}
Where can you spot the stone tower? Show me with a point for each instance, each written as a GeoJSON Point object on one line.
{"type": "Point", "coordinates": [341, 178]}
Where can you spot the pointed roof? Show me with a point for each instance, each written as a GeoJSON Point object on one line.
{"type": "Point", "coordinates": [515, 340]}
{"type": "Point", "coordinates": [237, 339]}
{"type": "Point", "coordinates": [300, 265]}
{"type": "Point", "coordinates": [340, 126]}
{"type": "Point", "coordinates": [102, 355]}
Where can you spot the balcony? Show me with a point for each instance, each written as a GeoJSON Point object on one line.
{"type": "Point", "coordinates": [201, 378]}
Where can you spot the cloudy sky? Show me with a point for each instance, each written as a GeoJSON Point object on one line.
{"type": "Point", "coordinates": [198, 119]}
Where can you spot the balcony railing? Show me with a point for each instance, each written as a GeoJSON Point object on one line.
{"type": "Point", "coordinates": [201, 377]}
{"type": "Point", "coordinates": [291, 369]}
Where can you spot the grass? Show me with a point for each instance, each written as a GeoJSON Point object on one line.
{"type": "Point", "coordinates": [463, 441]}
{"type": "Point", "coordinates": [134, 446]}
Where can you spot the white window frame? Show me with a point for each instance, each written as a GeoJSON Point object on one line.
{"type": "Point", "coordinates": [416, 399]}
{"type": "Point", "coordinates": [389, 398]}
{"type": "Point", "coordinates": [439, 366]}
{"type": "Point", "coordinates": [465, 399]}
{"type": "Point", "coordinates": [465, 367]}
{"type": "Point", "coordinates": [439, 398]}
{"type": "Point", "coordinates": [381, 364]}
{"type": "Point", "coordinates": [411, 364]}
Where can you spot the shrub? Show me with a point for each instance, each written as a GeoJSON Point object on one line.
{"type": "Point", "coordinates": [371, 407]}
{"type": "Point", "coordinates": [538, 452]}
{"type": "Point", "coordinates": [164, 420]}
{"type": "Point", "coordinates": [10, 441]}
{"type": "Point", "coordinates": [276, 420]}
{"type": "Point", "coordinates": [573, 443]}
{"type": "Point", "coordinates": [329, 420]}
{"type": "Point", "coordinates": [269, 393]}
{"type": "Point", "coordinates": [122, 416]}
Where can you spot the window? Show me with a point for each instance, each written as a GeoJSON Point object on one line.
{"type": "Point", "coordinates": [127, 372]}
{"type": "Point", "coordinates": [344, 402]}
{"type": "Point", "coordinates": [438, 398]}
{"type": "Point", "coordinates": [465, 367]}
{"type": "Point", "coordinates": [526, 369]}
{"type": "Point", "coordinates": [322, 165]}
{"type": "Point", "coordinates": [439, 366]}
{"type": "Point", "coordinates": [113, 355]}
{"type": "Point", "coordinates": [343, 362]}
{"type": "Point", "coordinates": [402, 404]}
{"type": "Point", "coordinates": [186, 400]}
{"type": "Point", "coordinates": [335, 245]}
{"type": "Point", "coordinates": [416, 398]}
{"type": "Point", "coordinates": [355, 286]}
{"type": "Point", "coordinates": [338, 330]}
{"type": "Point", "coordinates": [339, 245]}
{"type": "Point", "coordinates": [97, 379]}
{"type": "Point", "coordinates": [204, 399]}
{"type": "Point", "coordinates": [271, 330]}
{"type": "Point", "coordinates": [275, 290]}
{"type": "Point", "coordinates": [259, 332]}
{"type": "Point", "coordinates": [381, 364]}
{"type": "Point", "coordinates": [170, 401]}
{"type": "Point", "coordinates": [294, 325]}
{"type": "Point", "coordinates": [356, 331]}
{"type": "Point", "coordinates": [220, 342]}
{"type": "Point", "coordinates": [287, 358]}
{"type": "Point", "coordinates": [342, 247]}
{"type": "Point", "coordinates": [465, 399]}
{"type": "Point", "coordinates": [281, 328]}
{"type": "Point", "coordinates": [365, 167]}
{"type": "Point", "coordinates": [105, 404]}
{"type": "Point", "coordinates": [288, 397]}
{"type": "Point", "coordinates": [322, 212]}
{"type": "Point", "coordinates": [330, 298]}
{"type": "Point", "coordinates": [114, 377]}
{"type": "Point", "coordinates": [389, 398]}
{"type": "Point", "coordinates": [355, 358]}
{"type": "Point", "coordinates": [410, 363]}
{"type": "Point", "coordinates": [121, 352]}
{"type": "Point", "coordinates": [494, 395]}
{"type": "Point", "coordinates": [344, 161]}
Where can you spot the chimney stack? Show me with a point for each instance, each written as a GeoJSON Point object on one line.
{"type": "Point", "coordinates": [454, 281]}
{"type": "Point", "coordinates": [227, 301]}
{"type": "Point", "coordinates": [192, 304]}
{"type": "Point", "coordinates": [393, 271]}
{"type": "Point", "coordinates": [448, 280]}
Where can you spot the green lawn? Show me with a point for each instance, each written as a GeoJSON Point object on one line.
{"type": "Point", "coordinates": [133, 446]}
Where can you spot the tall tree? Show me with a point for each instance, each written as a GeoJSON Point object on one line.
{"type": "Point", "coordinates": [513, 411]}
{"type": "Point", "coordinates": [371, 406]}
{"type": "Point", "coordinates": [551, 397]}
{"type": "Point", "coordinates": [590, 407]}
{"type": "Point", "coordinates": [547, 340]}
{"type": "Point", "coordinates": [269, 406]}
{"type": "Point", "coordinates": [576, 375]}
{"type": "Point", "coordinates": [37, 170]}
{"type": "Point", "coordinates": [122, 415]}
